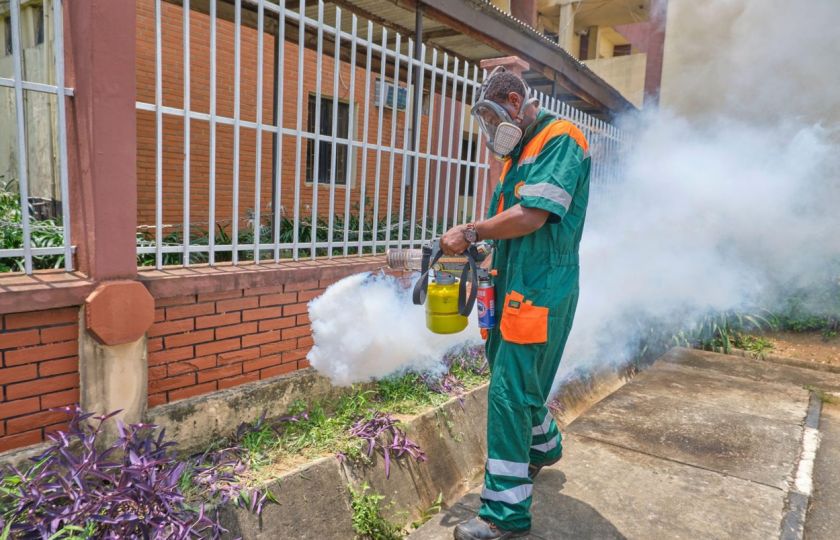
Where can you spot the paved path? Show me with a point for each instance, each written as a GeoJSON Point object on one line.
{"type": "Point", "coordinates": [698, 446]}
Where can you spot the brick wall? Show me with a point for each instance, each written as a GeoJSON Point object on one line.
{"type": "Point", "coordinates": [40, 371]}
{"type": "Point", "coordinates": [173, 143]}
{"type": "Point", "coordinates": [206, 342]}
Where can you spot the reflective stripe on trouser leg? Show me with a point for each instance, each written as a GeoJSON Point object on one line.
{"type": "Point", "coordinates": [546, 441]}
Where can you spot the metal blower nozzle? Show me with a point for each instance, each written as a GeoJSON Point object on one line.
{"type": "Point", "coordinates": [404, 259]}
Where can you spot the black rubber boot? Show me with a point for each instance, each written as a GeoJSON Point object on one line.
{"type": "Point", "coordinates": [478, 529]}
{"type": "Point", "coordinates": [534, 470]}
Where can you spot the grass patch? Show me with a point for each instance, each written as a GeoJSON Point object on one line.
{"type": "Point", "coordinates": [368, 521]}
{"type": "Point", "coordinates": [823, 396]}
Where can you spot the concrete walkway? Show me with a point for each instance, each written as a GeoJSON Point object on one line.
{"type": "Point", "coordinates": [698, 446]}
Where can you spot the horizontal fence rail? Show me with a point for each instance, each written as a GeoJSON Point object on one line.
{"type": "Point", "coordinates": [268, 133]}
{"type": "Point", "coordinates": [34, 230]}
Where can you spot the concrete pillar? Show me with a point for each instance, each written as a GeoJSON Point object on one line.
{"type": "Point", "coordinates": [518, 66]}
{"type": "Point", "coordinates": [593, 37]}
{"type": "Point", "coordinates": [566, 25]}
{"type": "Point", "coordinates": [525, 11]}
{"type": "Point", "coordinates": [103, 181]}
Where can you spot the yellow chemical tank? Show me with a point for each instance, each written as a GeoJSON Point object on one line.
{"type": "Point", "coordinates": [442, 315]}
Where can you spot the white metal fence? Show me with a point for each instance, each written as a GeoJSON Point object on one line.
{"type": "Point", "coordinates": [28, 242]}
{"type": "Point", "coordinates": [400, 168]}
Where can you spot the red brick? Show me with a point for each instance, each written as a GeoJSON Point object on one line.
{"type": "Point", "coordinates": [20, 373]}
{"type": "Point", "coordinates": [305, 342]}
{"type": "Point", "coordinates": [171, 327]}
{"type": "Point", "coordinates": [217, 347]}
{"type": "Point", "coordinates": [190, 391]}
{"type": "Point", "coordinates": [239, 356]}
{"type": "Point", "coordinates": [157, 372]}
{"type": "Point", "coordinates": [301, 286]}
{"type": "Point", "coordinates": [63, 426]}
{"type": "Point", "coordinates": [262, 313]}
{"type": "Point", "coordinates": [324, 283]}
{"type": "Point", "coordinates": [306, 296]}
{"type": "Point", "coordinates": [236, 330]}
{"type": "Point", "coordinates": [258, 291]}
{"type": "Point", "coordinates": [277, 370]}
{"type": "Point", "coordinates": [175, 301]}
{"type": "Point", "coordinates": [160, 314]}
{"type": "Point", "coordinates": [295, 309]}
{"type": "Point", "coordinates": [8, 409]}
{"type": "Point", "coordinates": [303, 364]}
{"type": "Point", "coordinates": [303, 319]}
{"type": "Point", "coordinates": [190, 338]}
{"type": "Point", "coordinates": [59, 399]}
{"type": "Point", "coordinates": [239, 379]}
{"type": "Point", "coordinates": [11, 340]}
{"type": "Point", "coordinates": [162, 385]}
{"type": "Point", "coordinates": [278, 299]}
{"type": "Point", "coordinates": [154, 344]}
{"type": "Point", "coordinates": [43, 385]}
{"type": "Point", "coordinates": [37, 319]}
{"type": "Point", "coordinates": [261, 338]}
{"type": "Point", "coordinates": [278, 346]}
{"type": "Point", "coordinates": [43, 352]}
{"type": "Point", "coordinates": [20, 440]}
{"type": "Point", "coordinates": [191, 366]}
{"type": "Point", "coordinates": [296, 332]}
{"type": "Point", "coordinates": [56, 367]}
{"type": "Point", "coordinates": [224, 295]}
{"type": "Point", "coordinates": [191, 310]}
{"type": "Point", "coordinates": [211, 321]}
{"type": "Point", "coordinates": [156, 399]}
{"type": "Point", "coordinates": [32, 421]}
{"type": "Point", "coordinates": [260, 363]}
{"type": "Point", "coordinates": [219, 373]}
{"type": "Point", "coordinates": [60, 333]}
{"type": "Point", "coordinates": [294, 356]}
{"type": "Point", "coordinates": [225, 306]}
{"type": "Point", "coordinates": [277, 324]}
{"type": "Point", "coordinates": [170, 355]}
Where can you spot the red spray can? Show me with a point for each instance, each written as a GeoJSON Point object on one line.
{"type": "Point", "coordinates": [486, 302]}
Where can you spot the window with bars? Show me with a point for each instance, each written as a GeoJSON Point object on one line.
{"type": "Point", "coordinates": [325, 164]}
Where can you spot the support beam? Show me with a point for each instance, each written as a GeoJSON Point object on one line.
{"type": "Point", "coordinates": [566, 25]}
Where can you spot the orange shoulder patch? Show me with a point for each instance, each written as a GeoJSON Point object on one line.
{"type": "Point", "coordinates": [554, 129]}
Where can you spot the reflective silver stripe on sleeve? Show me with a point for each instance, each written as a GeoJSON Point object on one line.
{"type": "Point", "coordinates": [545, 447]}
{"type": "Point", "coordinates": [542, 429]}
{"type": "Point", "coordinates": [547, 191]}
{"type": "Point", "coordinates": [513, 495]}
{"type": "Point", "coordinates": [507, 468]}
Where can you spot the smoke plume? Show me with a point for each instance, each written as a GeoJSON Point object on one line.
{"type": "Point", "coordinates": [730, 195]}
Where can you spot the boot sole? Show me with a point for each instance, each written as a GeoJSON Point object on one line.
{"type": "Point", "coordinates": [509, 534]}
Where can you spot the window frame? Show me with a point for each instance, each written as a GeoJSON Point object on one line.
{"type": "Point", "coordinates": [310, 142]}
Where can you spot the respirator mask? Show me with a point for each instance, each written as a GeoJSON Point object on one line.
{"type": "Point", "coordinates": [501, 131]}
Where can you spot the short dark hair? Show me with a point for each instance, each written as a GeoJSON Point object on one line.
{"type": "Point", "coordinates": [503, 83]}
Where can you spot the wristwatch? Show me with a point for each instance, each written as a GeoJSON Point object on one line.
{"type": "Point", "coordinates": [470, 234]}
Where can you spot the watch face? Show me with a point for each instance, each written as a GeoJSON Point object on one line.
{"type": "Point", "coordinates": [470, 235]}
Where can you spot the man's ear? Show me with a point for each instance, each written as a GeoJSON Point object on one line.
{"type": "Point", "coordinates": [515, 99]}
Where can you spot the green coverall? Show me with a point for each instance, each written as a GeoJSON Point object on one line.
{"type": "Point", "coordinates": [536, 296]}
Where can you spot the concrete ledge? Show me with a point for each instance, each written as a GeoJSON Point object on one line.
{"type": "Point", "coordinates": [43, 290]}
{"type": "Point", "coordinates": [196, 422]}
{"type": "Point", "coordinates": [786, 360]}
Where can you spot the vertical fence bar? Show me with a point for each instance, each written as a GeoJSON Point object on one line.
{"type": "Point", "coordinates": [23, 161]}
{"type": "Point", "coordinates": [362, 191]}
{"type": "Point", "coordinates": [453, 101]}
{"type": "Point", "coordinates": [405, 157]}
{"type": "Point", "coordinates": [211, 226]}
{"type": "Point", "coordinates": [469, 148]}
{"type": "Point", "coordinates": [362, 203]}
{"type": "Point", "coordinates": [460, 143]}
{"type": "Point", "coordinates": [298, 129]}
{"type": "Point", "coordinates": [313, 223]}
{"type": "Point", "coordinates": [257, 224]}
{"type": "Point", "coordinates": [382, 99]}
{"type": "Point", "coordinates": [185, 234]}
{"type": "Point", "coordinates": [351, 133]}
{"type": "Point", "coordinates": [421, 76]}
{"type": "Point", "coordinates": [439, 155]}
{"type": "Point", "coordinates": [237, 58]}
{"type": "Point", "coordinates": [392, 147]}
{"type": "Point", "coordinates": [336, 66]}
{"type": "Point", "coordinates": [58, 38]}
{"type": "Point", "coordinates": [429, 147]}
{"type": "Point", "coordinates": [487, 157]}
{"type": "Point", "coordinates": [279, 64]}
{"type": "Point", "coordinates": [158, 139]}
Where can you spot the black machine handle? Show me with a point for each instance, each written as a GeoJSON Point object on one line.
{"type": "Point", "coordinates": [466, 301]}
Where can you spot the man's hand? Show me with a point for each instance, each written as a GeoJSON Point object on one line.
{"type": "Point", "coordinates": [453, 242]}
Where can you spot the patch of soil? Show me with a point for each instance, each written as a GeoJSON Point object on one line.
{"type": "Point", "coordinates": [810, 346]}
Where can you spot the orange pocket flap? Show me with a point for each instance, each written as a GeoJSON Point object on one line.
{"type": "Point", "coordinates": [522, 322]}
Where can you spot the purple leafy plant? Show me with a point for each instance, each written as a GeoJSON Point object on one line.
{"type": "Point", "coordinates": [381, 431]}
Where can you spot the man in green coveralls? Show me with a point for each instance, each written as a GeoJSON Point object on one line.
{"type": "Point", "coordinates": [535, 220]}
